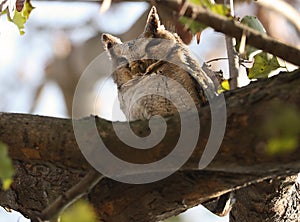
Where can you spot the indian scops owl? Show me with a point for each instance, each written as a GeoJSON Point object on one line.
{"type": "Point", "coordinates": [155, 72]}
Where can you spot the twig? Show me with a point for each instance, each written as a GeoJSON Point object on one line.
{"type": "Point", "coordinates": [74, 193]}
{"type": "Point", "coordinates": [233, 58]}
{"type": "Point", "coordinates": [254, 38]}
{"type": "Point", "coordinates": [216, 59]}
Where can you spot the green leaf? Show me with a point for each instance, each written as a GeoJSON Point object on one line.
{"type": "Point", "coordinates": [282, 144]}
{"type": "Point", "coordinates": [6, 183]}
{"type": "Point", "coordinates": [283, 120]}
{"type": "Point", "coordinates": [254, 23]}
{"type": "Point", "coordinates": [205, 3]}
{"type": "Point", "coordinates": [194, 26]}
{"type": "Point", "coordinates": [21, 17]}
{"type": "Point", "coordinates": [220, 9]}
{"type": "Point", "coordinates": [196, 2]}
{"type": "Point", "coordinates": [81, 211]}
{"type": "Point", "coordinates": [264, 63]}
{"type": "Point", "coordinates": [225, 86]}
{"type": "Point", "coordinates": [282, 128]}
{"type": "Point", "coordinates": [6, 167]}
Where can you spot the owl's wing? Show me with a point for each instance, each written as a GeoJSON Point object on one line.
{"type": "Point", "coordinates": [204, 80]}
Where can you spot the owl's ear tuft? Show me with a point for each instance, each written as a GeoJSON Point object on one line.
{"type": "Point", "coordinates": [110, 41]}
{"type": "Point", "coordinates": [153, 23]}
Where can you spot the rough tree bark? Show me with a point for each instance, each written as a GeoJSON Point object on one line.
{"type": "Point", "coordinates": [273, 200]}
{"type": "Point", "coordinates": [48, 160]}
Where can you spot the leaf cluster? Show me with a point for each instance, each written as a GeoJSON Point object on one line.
{"type": "Point", "coordinates": [263, 63]}
{"type": "Point", "coordinates": [282, 128]}
{"type": "Point", "coordinates": [6, 167]}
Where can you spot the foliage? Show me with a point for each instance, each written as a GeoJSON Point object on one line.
{"type": "Point", "coordinates": [197, 27]}
{"type": "Point", "coordinates": [216, 8]}
{"type": "Point", "coordinates": [192, 25]}
{"type": "Point", "coordinates": [17, 12]}
{"type": "Point", "coordinates": [264, 62]}
{"type": "Point", "coordinates": [81, 211]}
{"type": "Point", "coordinates": [6, 167]}
{"type": "Point", "coordinates": [254, 23]}
{"type": "Point", "coordinates": [282, 128]}
{"type": "Point", "coordinates": [225, 86]}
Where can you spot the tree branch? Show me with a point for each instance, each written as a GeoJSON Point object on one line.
{"type": "Point", "coordinates": [83, 187]}
{"type": "Point", "coordinates": [48, 160]}
{"type": "Point", "coordinates": [254, 38]}
{"type": "Point", "coordinates": [233, 58]}
{"type": "Point", "coordinates": [278, 199]}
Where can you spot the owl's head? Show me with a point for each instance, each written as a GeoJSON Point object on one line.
{"type": "Point", "coordinates": [148, 44]}
{"type": "Point", "coordinates": [135, 58]}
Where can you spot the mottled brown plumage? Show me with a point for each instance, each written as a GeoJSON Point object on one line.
{"type": "Point", "coordinates": [155, 73]}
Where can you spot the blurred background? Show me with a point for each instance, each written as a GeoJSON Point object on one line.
{"type": "Point", "coordinates": [39, 71]}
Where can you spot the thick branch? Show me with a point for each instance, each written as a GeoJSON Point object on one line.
{"type": "Point", "coordinates": [273, 200]}
{"type": "Point", "coordinates": [76, 192]}
{"type": "Point", "coordinates": [48, 160]}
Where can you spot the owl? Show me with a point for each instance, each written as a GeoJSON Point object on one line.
{"type": "Point", "coordinates": [156, 74]}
